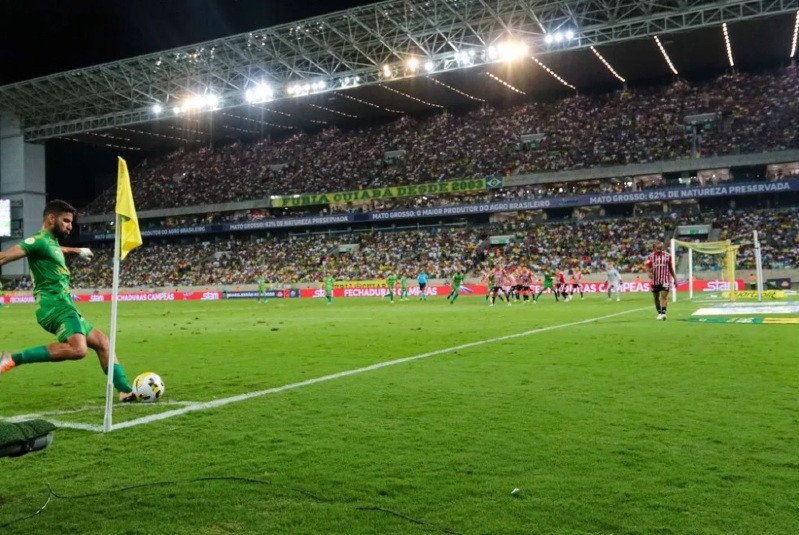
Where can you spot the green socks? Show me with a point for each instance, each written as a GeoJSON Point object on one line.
{"type": "Point", "coordinates": [32, 354]}
{"type": "Point", "coordinates": [120, 381]}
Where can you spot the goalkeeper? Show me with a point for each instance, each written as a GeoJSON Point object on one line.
{"type": "Point", "coordinates": [57, 314]}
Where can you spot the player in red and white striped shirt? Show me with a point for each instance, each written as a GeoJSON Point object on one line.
{"type": "Point", "coordinates": [661, 275]}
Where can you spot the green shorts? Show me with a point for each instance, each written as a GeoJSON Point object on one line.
{"type": "Point", "coordinates": [548, 285]}
{"type": "Point", "coordinates": [63, 320]}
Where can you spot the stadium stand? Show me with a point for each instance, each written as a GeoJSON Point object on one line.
{"type": "Point", "coordinates": [757, 112]}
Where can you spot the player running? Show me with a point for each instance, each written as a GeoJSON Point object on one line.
{"type": "Point", "coordinates": [422, 280]}
{"type": "Point", "coordinates": [661, 273]}
{"type": "Point", "coordinates": [614, 282]}
{"type": "Point", "coordinates": [391, 282]}
{"type": "Point", "coordinates": [577, 282]}
{"type": "Point", "coordinates": [525, 284]}
{"type": "Point", "coordinates": [328, 282]}
{"type": "Point", "coordinates": [262, 290]}
{"type": "Point", "coordinates": [548, 285]}
{"type": "Point", "coordinates": [501, 279]}
{"type": "Point", "coordinates": [560, 284]}
{"type": "Point", "coordinates": [56, 313]}
{"type": "Point", "coordinates": [404, 288]}
{"type": "Point", "coordinates": [457, 281]}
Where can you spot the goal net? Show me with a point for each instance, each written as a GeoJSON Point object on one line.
{"type": "Point", "coordinates": [720, 258]}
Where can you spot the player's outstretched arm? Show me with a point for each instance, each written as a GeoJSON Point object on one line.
{"type": "Point", "coordinates": [15, 253]}
{"type": "Point", "coordinates": [83, 252]}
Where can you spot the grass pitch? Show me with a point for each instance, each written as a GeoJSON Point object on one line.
{"type": "Point", "coordinates": [623, 425]}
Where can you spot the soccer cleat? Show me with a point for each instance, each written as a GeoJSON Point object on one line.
{"type": "Point", "coordinates": [661, 317]}
{"type": "Point", "coordinates": [664, 317]}
{"type": "Point", "coordinates": [6, 363]}
{"type": "Point", "coordinates": [618, 299]}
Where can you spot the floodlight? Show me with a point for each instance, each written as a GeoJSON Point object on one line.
{"type": "Point", "coordinates": [429, 66]}
{"type": "Point", "coordinates": [157, 108]}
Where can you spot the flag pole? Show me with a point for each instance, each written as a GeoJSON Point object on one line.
{"type": "Point", "coordinates": [109, 387]}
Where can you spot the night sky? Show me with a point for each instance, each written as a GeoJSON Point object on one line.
{"type": "Point", "coordinates": [41, 37]}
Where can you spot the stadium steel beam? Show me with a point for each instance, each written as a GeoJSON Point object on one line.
{"type": "Point", "coordinates": [347, 48]}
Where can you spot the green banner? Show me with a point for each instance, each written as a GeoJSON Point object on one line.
{"type": "Point", "coordinates": [394, 192]}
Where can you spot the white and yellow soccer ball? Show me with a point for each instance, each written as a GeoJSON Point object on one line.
{"type": "Point", "coordinates": [148, 387]}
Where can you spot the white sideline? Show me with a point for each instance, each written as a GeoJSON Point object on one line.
{"type": "Point", "coordinates": [243, 397]}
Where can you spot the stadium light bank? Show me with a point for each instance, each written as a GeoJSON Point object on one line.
{"type": "Point", "coordinates": [502, 51]}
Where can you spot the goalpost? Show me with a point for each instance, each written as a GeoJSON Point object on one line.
{"type": "Point", "coordinates": [727, 252]}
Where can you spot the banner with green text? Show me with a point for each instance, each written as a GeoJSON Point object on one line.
{"type": "Point", "coordinates": [393, 192]}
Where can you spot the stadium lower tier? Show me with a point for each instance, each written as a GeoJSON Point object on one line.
{"type": "Point", "coordinates": [590, 245]}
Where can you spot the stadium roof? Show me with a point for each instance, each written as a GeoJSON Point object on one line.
{"type": "Point", "coordinates": [397, 57]}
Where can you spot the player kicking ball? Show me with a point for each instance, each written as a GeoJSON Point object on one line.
{"type": "Point", "coordinates": [56, 313]}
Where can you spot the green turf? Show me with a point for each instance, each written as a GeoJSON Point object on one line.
{"type": "Point", "coordinates": [625, 425]}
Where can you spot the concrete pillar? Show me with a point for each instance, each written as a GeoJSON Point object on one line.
{"type": "Point", "coordinates": [22, 179]}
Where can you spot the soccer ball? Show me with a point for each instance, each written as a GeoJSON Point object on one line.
{"type": "Point", "coordinates": [148, 387]}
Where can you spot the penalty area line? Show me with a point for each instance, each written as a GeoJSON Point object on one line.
{"type": "Point", "coordinates": [243, 397]}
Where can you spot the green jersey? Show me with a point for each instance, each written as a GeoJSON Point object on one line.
{"type": "Point", "coordinates": [48, 267]}
{"type": "Point", "coordinates": [392, 281]}
{"type": "Point", "coordinates": [548, 277]}
{"type": "Point", "coordinates": [457, 279]}
{"type": "Point", "coordinates": [328, 284]}
{"type": "Point", "coordinates": [404, 283]}
{"type": "Point", "coordinates": [261, 285]}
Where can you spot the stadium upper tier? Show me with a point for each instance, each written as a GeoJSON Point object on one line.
{"type": "Point", "coordinates": [586, 244]}
{"type": "Point", "coordinates": [756, 112]}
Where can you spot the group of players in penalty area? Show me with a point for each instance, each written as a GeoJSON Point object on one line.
{"type": "Point", "coordinates": [58, 315]}
{"type": "Point", "coordinates": [519, 283]}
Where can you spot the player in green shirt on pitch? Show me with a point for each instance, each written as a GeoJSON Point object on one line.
{"type": "Point", "coordinates": [457, 280]}
{"type": "Point", "coordinates": [56, 313]}
{"type": "Point", "coordinates": [548, 275]}
{"type": "Point", "coordinates": [262, 290]}
{"type": "Point", "coordinates": [328, 281]}
{"type": "Point", "coordinates": [391, 281]}
{"type": "Point", "coordinates": [404, 288]}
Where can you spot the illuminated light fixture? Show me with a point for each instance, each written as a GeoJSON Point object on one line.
{"type": "Point", "coordinates": [795, 34]}
{"type": "Point", "coordinates": [554, 74]}
{"type": "Point", "coordinates": [429, 66]}
{"type": "Point", "coordinates": [412, 64]}
{"type": "Point", "coordinates": [454, 89]}
{"type": "Point", "coordinates": [569, 34]}
{"type": "Point", "coordinates": [372, 104]}
{"type": "Point", "coordinates": [176, 110]}
{"type": "Point", "coordinates": [319, 85]}
{"type": "Point", "coordinates": [157, 109]}
{"type": "Point", "coordinates": [492, 53]}
{"type": "Point", "coordinates": [511, 50]}
{"type": "Point", "coordinates": [549, 39]}
{"type": "Point", "coordinates": [259, 93]}
{"type": "Point", "coordinates": [406, 95]}
{"type": "Point", "coordinates": [665, 56]}
{"type": "Point", "coordinates": [463, 57]}
{"type": "Point", "coordinates": [211, 101]}
{"type": "Point", "coordinates": [506, 84]}
{"type": "Point", "coordinates": [337, 112]}
{"type": "Point", "coordinates": [607, 65]}
{"type": "Point", "coordinates": [559, 37]}
{"type": "Point", "coordinates": [387, 71]}
{"type": "Point", "coordinates": [727, 44]}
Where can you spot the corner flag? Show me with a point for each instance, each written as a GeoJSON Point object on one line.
{"type": "Point", "coordinates": [130, 236]}
{"type": "Point", "coordinates": [127, 237]}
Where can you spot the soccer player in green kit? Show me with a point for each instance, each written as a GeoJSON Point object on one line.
{"type": "Point", "coordinates": [262, 290]}
{"type": "Point", "coordinates": [56, 313]}
{"type": "Point", "coordinates": [404, 288]}
{"type": "Point", "coordinates": [547, 284]}
{"type": "Point", "coordinates": [328, 281]}
{"type": "Point", "coordinates": [457, 279]}
{"type": "Point", "coordinates": [392, 284]}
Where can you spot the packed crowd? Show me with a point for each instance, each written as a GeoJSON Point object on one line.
{"type": "Point", "coordinates": [591, 246]}
{"type": "Point", "coordinates": [757, 112]}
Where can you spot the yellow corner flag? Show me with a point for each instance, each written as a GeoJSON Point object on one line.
{"type": "Point", "coordinates": [130, 236]}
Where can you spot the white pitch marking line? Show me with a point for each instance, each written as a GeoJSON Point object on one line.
{"type": "Point", "coordinates": [87, 408]}
{"type": "Point", "coordinates": [243, 397]}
